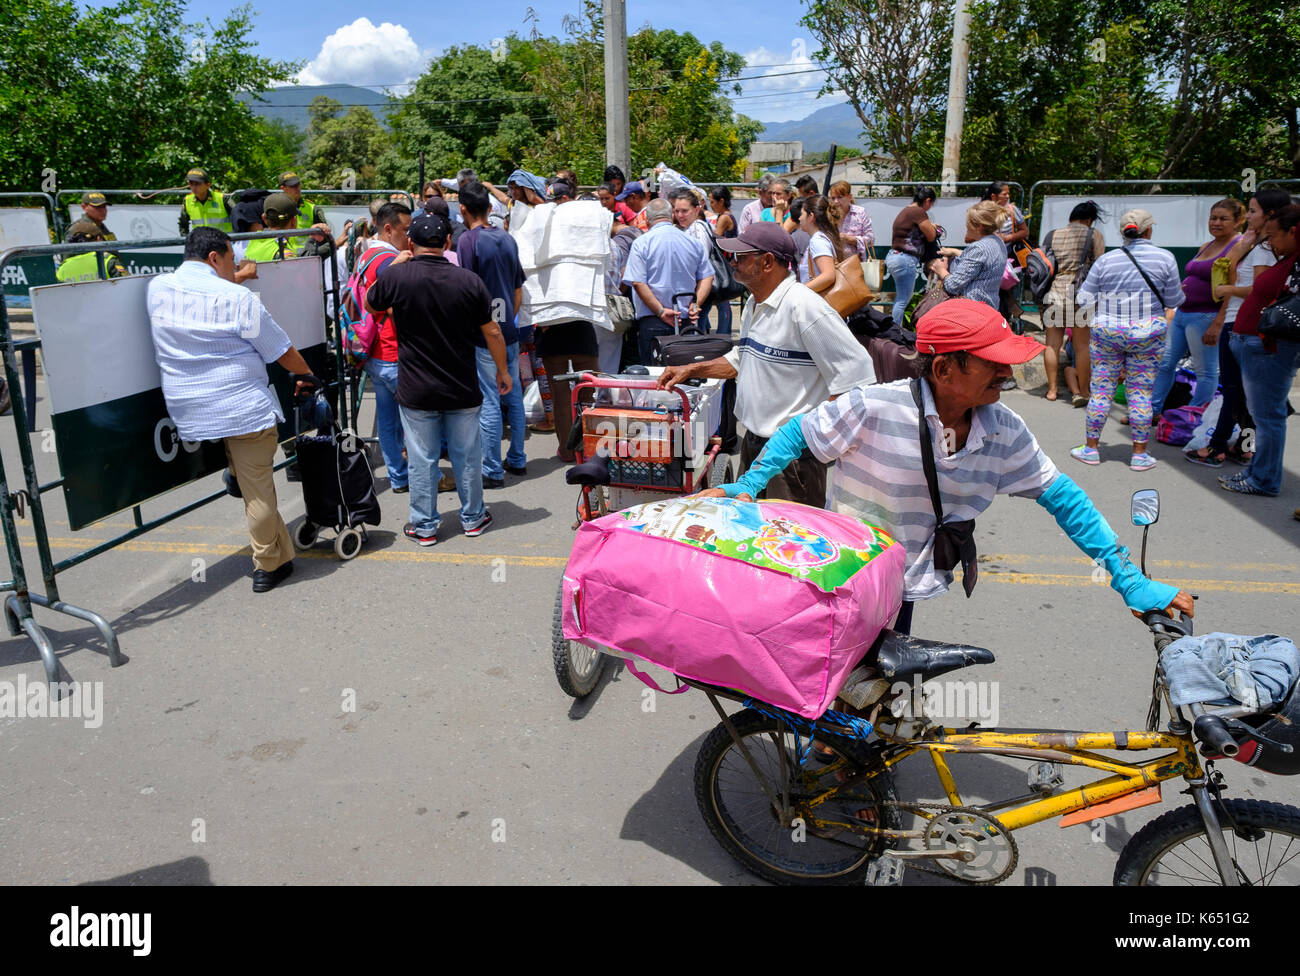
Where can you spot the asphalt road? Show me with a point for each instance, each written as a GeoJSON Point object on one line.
{"type": "Point", "coordinates": [396, 719]}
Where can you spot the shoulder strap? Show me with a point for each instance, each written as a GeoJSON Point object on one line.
{"type": "Point", "coordinates": [927, 453]}
{"type": "Point", "coordinates": [1160, 301]}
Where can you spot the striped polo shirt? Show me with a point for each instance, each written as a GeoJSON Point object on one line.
{"type": "Point", "coordinates": [873, 432]}
{"type": "Point", "coordinates": [795, 351]}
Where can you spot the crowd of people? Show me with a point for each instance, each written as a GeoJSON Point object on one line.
{"type": "Point", "coordinates": [452, 340]}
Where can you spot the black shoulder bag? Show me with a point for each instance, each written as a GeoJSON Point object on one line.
{"type": "Point", "coordinates": [954, 542]}
{"type": "Point", "coordinates": [1160, 300]}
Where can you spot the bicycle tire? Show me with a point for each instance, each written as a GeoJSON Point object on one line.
{"type": "Point", "coordinates": [1174, 848]}
{"type": "Point", "coordinates": [736, 815]}
{"type": "Point", "coordinates": [578, 673]}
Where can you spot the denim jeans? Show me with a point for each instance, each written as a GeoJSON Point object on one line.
{"type": "Point", "coordinates": [388, 420]}
{"type": "Point", "coordinates": [903, 268]}
{"type": "Point", "coordinates": [1184, 336]}
{"type": "Point", "coordinates": [425, 430]}
{"type": "Point", "coordinates": [1267, 378]}
{"type": "Point", "coordinates": [647, 328]}
{"type": "Point", "coordinates": [724, 318]}
{"type": "Point", "coordinates": [490, 418]}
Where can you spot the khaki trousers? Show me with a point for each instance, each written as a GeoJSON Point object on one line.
{"type": "Point", "coordinates": [252, 458]}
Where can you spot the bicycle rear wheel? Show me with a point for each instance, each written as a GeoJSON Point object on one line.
{"type": "Point", "coordinates": [741, 816]}
{"type": "Point", "coordinates": [578, 668]}
{"type": "Point", "coordinates": [1174, 849]}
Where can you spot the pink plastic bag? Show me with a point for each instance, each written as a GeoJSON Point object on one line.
{"type": "Point", "coordinates": [773, 599]}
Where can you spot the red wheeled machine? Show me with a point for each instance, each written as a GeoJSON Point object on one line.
{"type": "Point", "coordinates": [651, 443]}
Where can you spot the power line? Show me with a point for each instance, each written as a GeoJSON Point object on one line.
{"type": "Point", "coordinates": [407, 100]}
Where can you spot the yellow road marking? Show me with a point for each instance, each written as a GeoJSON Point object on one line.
{"type": "Point", "coordinates": [557, 562]}
{"type": "Point", "coordinates": [1017, 557]}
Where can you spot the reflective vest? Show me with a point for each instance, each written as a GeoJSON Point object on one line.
{"type": "Point", "coordinates": [267, 249]}
{"type": "Point", "coordinates": [306, 215]}
{"type": "Point", "coordinates": [211, 212]}
{"type": "Point", "coordinates": [84, 267]}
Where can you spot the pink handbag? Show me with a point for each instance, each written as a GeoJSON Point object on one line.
{"type": "Point", "coordinates": [774, 599]}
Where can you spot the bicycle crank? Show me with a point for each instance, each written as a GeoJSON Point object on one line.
{"type": "Point", "coordinates": [986, 853]}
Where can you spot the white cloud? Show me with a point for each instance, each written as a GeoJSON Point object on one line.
{"type": "Point", "coordinates": [361, 53]}
{"type": "Point", "coordinates": [784, 84]}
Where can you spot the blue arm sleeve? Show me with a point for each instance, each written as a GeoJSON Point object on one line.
{"type": "Point", "coordinates": [782, 448]}
{"type": "Point", "coordinates": [1080, 520]}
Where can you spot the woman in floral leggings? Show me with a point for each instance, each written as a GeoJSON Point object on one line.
{"type": "Point", "coordinates": [1129, 290]}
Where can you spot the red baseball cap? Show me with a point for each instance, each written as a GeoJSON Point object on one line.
{"type": "Point", "coordinates": [962, 324]}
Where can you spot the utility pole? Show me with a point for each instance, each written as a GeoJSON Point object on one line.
{"type": "Point", "coordinates": [618, 132]}
{"type": "Point", "coordinates": [956, 91]}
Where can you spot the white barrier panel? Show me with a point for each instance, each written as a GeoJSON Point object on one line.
{"type": "Point", "coordinates": [1180, 219]}
{"type": "Point", "coordinates": [144, 222]}
{"type": "Point", "coordinates": [947, 212]}
{"type": "Point", "coordinates": [23, 226]}
{"type": "Point", "coordinates": [336, 215]}
{"type": "Point", "coordinates": [115, 443]}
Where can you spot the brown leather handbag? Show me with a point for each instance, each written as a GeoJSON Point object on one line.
{"type": "Point", "coordinates": [849, 292]}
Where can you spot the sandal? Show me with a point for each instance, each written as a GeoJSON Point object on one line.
{"type": "Point", "coordinates": [1203, 455]}
{"type": "Point", "coordinates": [1240, 457]}
{"type": "Point", "coordinates": [1049, 395]}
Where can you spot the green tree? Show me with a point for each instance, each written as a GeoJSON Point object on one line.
{"type": "Point", "coordinates": [129, 93]}
{"type": "Point", "coordinates": [890, 58]}
{"type": "Point", "coordinates": [344, 148]}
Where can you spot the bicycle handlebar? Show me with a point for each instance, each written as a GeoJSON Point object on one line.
{"type": "Point", "coordinates": [1214, 735]}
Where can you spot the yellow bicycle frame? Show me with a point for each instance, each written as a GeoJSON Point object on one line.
{"type": "Point", "coordinates": [1073, 748]}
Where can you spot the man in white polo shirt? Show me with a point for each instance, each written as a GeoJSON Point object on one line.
{"type": "Point", "coordinates": [794, 354]}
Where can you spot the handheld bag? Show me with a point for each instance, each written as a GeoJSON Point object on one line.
{"type": "Point", "coordinates": [774, 599]}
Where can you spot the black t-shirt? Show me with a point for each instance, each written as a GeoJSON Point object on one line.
{"type": "Point", "coordinates": [438, 308]}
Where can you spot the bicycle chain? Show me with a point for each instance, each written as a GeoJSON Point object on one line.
{"type": "Point", "coordinates": [919, 863]}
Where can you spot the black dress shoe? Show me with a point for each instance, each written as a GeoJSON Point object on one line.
{"type": "Point", "coordinates": [401, 489]}
{"type": "Point", "coordinates": [494, 482]}
{"type": "Point", "coordinates": [521, 470]}
{"type": "Point", "coordinates": [263, 580]}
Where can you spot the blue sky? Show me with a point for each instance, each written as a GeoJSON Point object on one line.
{"type": "Point", "coordinates": [390, 43]}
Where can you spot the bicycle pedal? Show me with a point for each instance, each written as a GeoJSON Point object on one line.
{"type": "Point", "coordinates": [885, 871]}
{"type": "Point", "coordinates": [1045, 777]}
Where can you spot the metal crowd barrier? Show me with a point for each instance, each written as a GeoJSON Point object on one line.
{"type": "Point", "coordinates": [18, 603]}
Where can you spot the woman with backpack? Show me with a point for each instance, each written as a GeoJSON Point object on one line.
{"type": "Point", "coordinates": [1189, 332]}
{"type": "Point", "coordinates": [1074, 248]}
{"type": "Point", "coordinates": [1129, 290]}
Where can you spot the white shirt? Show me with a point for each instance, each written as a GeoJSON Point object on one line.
{"type": "Point", "coordinates": [212, 340]}
{"type": "Point", "coordinates": [819, 246]}
{"type": "Point", "coordinates": [794, 353]}
{"type": "Point", "coordinates": [1260, 256]}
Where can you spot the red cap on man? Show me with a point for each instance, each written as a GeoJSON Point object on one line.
{"type": "Point", "coordinates": [962, 324]}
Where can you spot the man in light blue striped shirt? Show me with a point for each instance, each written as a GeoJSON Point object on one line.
{"type": "Point", "coordinates": [981, 449]}
{"type": "Point", "coordinates": [212, 339]}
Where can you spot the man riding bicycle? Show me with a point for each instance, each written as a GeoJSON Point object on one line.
{"type": "Point", "coordinates": [979, 448]}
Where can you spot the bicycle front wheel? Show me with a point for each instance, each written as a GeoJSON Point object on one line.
{"type": "Point", "coordinates": [751, 828]}
{"type": "Point", "coordinates": [1174, 849]}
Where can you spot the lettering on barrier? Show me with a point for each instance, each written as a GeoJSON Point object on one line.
{"type": "Point", "coordinates": [168, 445]}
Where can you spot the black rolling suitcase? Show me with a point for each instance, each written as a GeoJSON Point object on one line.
{"type": "Point", "coordinates": [337, 485]}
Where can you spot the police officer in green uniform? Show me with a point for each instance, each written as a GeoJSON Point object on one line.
{"type": "Point", "coordinates": [278, 213]}
{"type": "Point", "coordinates": [308, 213]}
{"type": "Point", "coordinates": [85, 267]}
{"type": "Point", "coordinates": [203, 206]}
{"type": "Point", "coordinates": [94, 207]}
